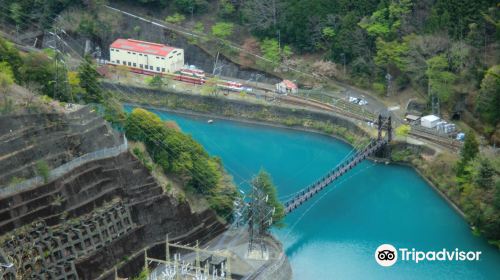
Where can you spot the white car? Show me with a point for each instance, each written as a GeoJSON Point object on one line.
{"type": "Point", "coordinates": [362, 102]}
{"type": "Point", "coordinates": [356, 100]}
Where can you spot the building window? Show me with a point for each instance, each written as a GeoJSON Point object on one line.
{"type": "Point", "coordinates": [163, 58]}
{"type": "Point", "coordinates": [129, 64]}
{"type": "Point", "coordinates": [157, 58]}
{"type": "Point", "coordinates": [158, 69]}
{"type": "Point", "coordinates": [178, 54]}
{"type": "Point", "coordinates": [133, 53]}
{"type": "Point", "coordinates": [112, 50]}
{"type": "Point", "coordinates": [128, 52]}
{"type": "Point", "coordinates": [140, 54]}
{"type": "Point", "coordinates": [140, 65]}
{"type": "Point", "coordinates": [124, 63]}
{"type": "Point", "coordinates": [150, 67]}
{"type": "Point", "coordinates": [117, 61]}
{"type": "Point", "coordinates": [135, 65]}
{"type": "Point", "coordinates": [170, 57]}
{"type": "Point", "coordinates": [117, 50]}
{"type": "Point", "coordinates": [162, 69]}
{"type": "Point", "coordinates": [174, 51]}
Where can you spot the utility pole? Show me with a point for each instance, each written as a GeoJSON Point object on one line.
{"type": "Point", "coordinates": [343, 61]}
{"type": "Point", "coordinates": [56, 54]}
{"type": "Point", "coordinates": [279, 42]}
{"type": "Point", "coordinates": [388, 77]}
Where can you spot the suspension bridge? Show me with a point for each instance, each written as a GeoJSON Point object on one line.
{"type": "Point", "coordinates": [375, 144]}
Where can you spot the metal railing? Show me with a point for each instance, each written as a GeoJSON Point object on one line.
{"type": "Point", "coordinates": [65, 168]}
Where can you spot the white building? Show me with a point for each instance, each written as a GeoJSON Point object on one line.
{"type": "Point", "coordinates": [286, 86]}
{"type": "Point", "coordinates": [429, 121]}
{"type": "Point", "coordinates": [152, 57]}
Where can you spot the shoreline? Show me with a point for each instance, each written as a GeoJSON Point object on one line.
{"type": "Point", "coordinates": [303, 129]}
{"type": "Point", "coordinates": [436, 189]}
{"type": "Point", "coordinates": [241, 120]}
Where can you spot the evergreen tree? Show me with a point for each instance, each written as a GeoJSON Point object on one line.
{"type": "Point", "coordinates": [440, 79]}
{"type": "Point", "coordinates": [484, 176]}
{"type": "Point", "coordinates": [488, 100]}
{"type": "Point", "coordinates": [88, 81]}
{"type": "Point", "coordinates": [263, 183]}
{"type": "Point", "coordinates": [468, 153]}
{"type": "Point", "coordinates": [470, 148]}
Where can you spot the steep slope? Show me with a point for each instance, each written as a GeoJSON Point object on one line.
{"type": "Point", "coordinates": [91, 214]}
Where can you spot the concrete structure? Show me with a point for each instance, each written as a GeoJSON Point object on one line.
{"type": "Point", "coordinates": [286, 86]}
{"type": "Point", "coordinates": [412, 118]}
{"type": "Point", "coordinates": [429, 121]}
{"type": "Point", "coordinates": [152, 57]}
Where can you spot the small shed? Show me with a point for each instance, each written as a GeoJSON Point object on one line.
{"type": "Point", "coordinates": [286, 86]}
{"type": "Point", "coordinates": [412, 118]}
{"type": "Point", "coordinates": [429, 121]}
{"type": "Point", "coordinates": [216, 263]}
{"type": "Point", "coordinates": [205, 259]}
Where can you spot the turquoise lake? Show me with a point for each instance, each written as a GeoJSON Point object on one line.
{"type": "Point", "coordinates": [335, 235]}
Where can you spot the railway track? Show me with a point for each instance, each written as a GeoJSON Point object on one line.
{"type": "Point", "coordinates": [449, 143]}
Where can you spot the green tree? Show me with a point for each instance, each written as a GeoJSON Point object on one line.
{"type": "Point", "coordinates": [43, 170]}
{"type": "Point", "coordinates": [6, 80]}
{"type": "Point", "coordinates": [386, 22]}
{"type": "Point", "coordinates": [468, 153]}
{"type": "Point", "coordinates": [471, 147]}
{"type": "Point", "coordinates": [16, 13]}
{"type": "Point", "coordinates": [226, 8]}
{"type": "Point", "coordinates": [488, 100]}
{"type": "Point", "coordinates": [10, 55]}
{"type": "Point", "coordinates": [37, 72]}
{"type": "Point", "coordinates": [74, 83]}
{"type": "Point", "coordinates": [89, 81]}
{"type": "Point", "coordinates": [403, 130]}
{"type": "Point", "coordinates": [263, 183]}
{"type": "Point", "coordinates": [329, 33]}
{"type": "Point", "coordinates": [156, 81]}
{"type": "Point", "coordinates": [391, 55]}
{"type": "Point", "coordinates": [439, 78]}
{"type": "Point", "coordinates": [142, 125]}
{"type": "Point", "coordinates": [222, 30]}
{"type": "Point", "coordinates": [199, 27]}
{"type": "Point", "coordinates": [270, 50]}
{"type": "Point", "coordinates": [484, 175]}
{"type": "Point", "coordinates": [175, 18]}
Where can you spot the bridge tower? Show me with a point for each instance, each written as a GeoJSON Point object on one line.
{"type": "Point", "coordinates": [384, 123]}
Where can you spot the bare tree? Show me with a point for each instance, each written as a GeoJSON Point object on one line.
{"type": "Point", "coordinates": [261, 14]}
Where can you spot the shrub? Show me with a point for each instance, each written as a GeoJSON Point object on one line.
{"type": "Point", "coordinates": [379, 88]}
{"type": "Point", "coordinates": [43, 170]}
{"type": "Point", "coordinates": [175, 18]}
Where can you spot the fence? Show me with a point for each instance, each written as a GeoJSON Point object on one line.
{"type": "Point", "coordinates": [65, 168]}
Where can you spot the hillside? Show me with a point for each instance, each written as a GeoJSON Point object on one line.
{"type": "Point", "coordinates": [398, 50]}
{"type": "Point", "coordinates": [75, 202]}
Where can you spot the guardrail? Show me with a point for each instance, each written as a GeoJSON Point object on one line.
{"type": "Point", "coordinates": [65, 168]}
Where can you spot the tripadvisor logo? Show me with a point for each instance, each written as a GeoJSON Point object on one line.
{"type": "Point", "coordinates": [387, 255]}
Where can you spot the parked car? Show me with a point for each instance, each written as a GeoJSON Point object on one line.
{"type": "Point", "coordinates": [356, 100]}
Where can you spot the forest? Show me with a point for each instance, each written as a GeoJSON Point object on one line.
{"type": "Point", "coordinates": [435, 49]}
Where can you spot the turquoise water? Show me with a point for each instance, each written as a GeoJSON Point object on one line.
{"type": "Point", "coordinates": [335, 235]}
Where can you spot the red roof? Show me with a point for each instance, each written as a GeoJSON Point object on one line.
{"type": "Point", "coordinates": [142, 47]}
{"type": "Point", "coordinates": [289, 84]}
